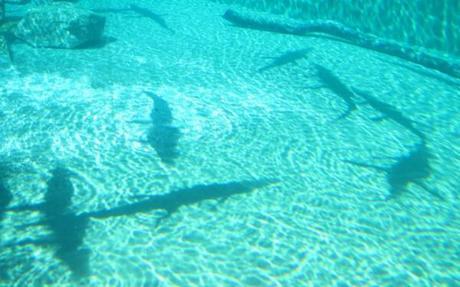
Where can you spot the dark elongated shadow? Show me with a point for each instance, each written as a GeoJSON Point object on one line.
{"type": "Point", "coordinates": [67, 228]}
{"type": "Point", "coordinates": [101, 43]}
{"type": "Point", "coordinates": [410, 168]}
{"type": "Point", "coordinates": [12, 18]}
{"type": "Point", "coordinates": [140, 11]}
{"type": "Point", "coordinates": [161, 113]}
{"type": "Point", "coordinates": [147, 13]}
{"type": "Point", "coordinates": [286, 58]}
{"type": "Point", "coordinates": [172, 201]}
{"type": "Point", "coordinates": [5, 193]}
{"type": "Point", "coordinates": [164, 140]}
{"type": "Point", "coordinates": [391, 113]}
{"type": "Point", "coordinates": [335, 85]}
{"type": "Point", "coordinates": [162, 136]}
{"type": "Point", "coordinates": [3, 272]}
{"type": "Point", "coordinates": [111, 10]}
{"type": "Point", "coordinates": [5, 199]}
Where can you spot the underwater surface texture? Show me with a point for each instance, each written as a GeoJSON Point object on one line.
{"type": "Point", "coordinates": [425, 23]}
{"type": "Point", "coordinates": [183, 150]}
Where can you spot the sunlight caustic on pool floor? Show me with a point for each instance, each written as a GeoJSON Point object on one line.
{"type": "Point", "coordinates": [317, 220]}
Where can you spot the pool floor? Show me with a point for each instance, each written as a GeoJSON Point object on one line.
{"type": "Point", "coordinates": [320, 222]}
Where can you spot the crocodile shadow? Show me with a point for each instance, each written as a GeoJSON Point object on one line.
{"type": "Point", "coordinates": [162, 136]}
{"type": "Point", "coordinates": [164, 140]}
{"type": "Point", "coordinates": [411, 168]}
{"type": "Point", "coordinates": [286, 58]}
{"type": "Point", "coordinates": [5, 199]}
{"type": "Point", "coordinates": [172, 201]}
{"type": "Point", "coordinates": [390, 112]}
{"type": "Point", "coordinates": [67, 228]}
{"type": "Point", "coordinates": [161, 113]}
{"type": "Point", "coordinates": [140, 11]}
{"type": "Point", "coordinates": [111, 10]}
{"type": "Point", "coordinates": [334, 84]}
{"type": "Point", "coordinates": [5, 194]}
{"type": "Point", "coordinates": [147, 13]}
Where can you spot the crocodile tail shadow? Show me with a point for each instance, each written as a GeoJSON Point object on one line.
{"type": "Point", "coordinates": [431, 191]}
{"type": "Point", "coordinates": [360, 164]}
{"type": "Point", "coordinates": [345, 114]}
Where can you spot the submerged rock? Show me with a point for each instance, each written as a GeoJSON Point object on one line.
{"type": "Point", "coordinates": [60, 25]}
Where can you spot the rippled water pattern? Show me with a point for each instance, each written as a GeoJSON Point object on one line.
{"type": "Point", "coordinates": [425, 23]}
{"type": "Point", "coordinates": [324, 222]}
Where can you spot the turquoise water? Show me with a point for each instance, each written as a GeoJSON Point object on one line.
{"type": "Point", "coordinates": [316, 220]}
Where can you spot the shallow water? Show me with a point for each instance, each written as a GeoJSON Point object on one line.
{"type": "Point", "coordinates": [325, 222]}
